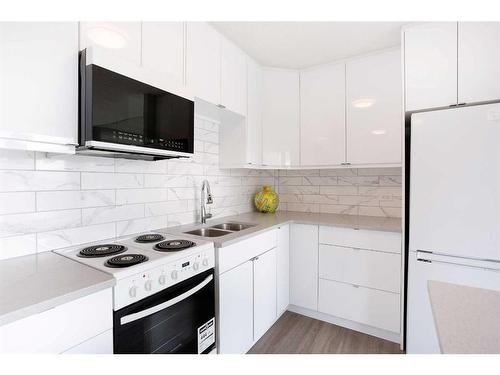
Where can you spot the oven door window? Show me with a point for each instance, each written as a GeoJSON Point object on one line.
{"type": "Point", "coordinates": [180, 319]}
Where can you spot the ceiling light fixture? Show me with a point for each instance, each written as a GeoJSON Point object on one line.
{"type": "Point", "coordinates": [363, 103]}
{"type": "Point", "coordinates": [106, 37]}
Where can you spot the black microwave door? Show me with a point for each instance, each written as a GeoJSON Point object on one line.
{"type": "Point", "coordinates": [125, 111]}
{"type": "Point", "coordinates": [185, 327]}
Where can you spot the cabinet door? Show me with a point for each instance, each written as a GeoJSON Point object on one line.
{"type": "Point", "coordinates": [283, 268]}
{"type": "Point", "coordinates": [203, 61]}
{"type": "Point", "coordinates": [264, 292]}
{"type": "Point", "coordinates": [431, 65]}
{"type": "Point", "coordinates": [304, 266]}
{"type": "Point", "coordinates": [39, 82]}
{"type": "Point", "coordinates": [163, 48]}
{"type": "Point", "coordinates": [122, 38]}
{"type": "Point", "coordinates": [233, 78]}
{"type": "Point", "coordinates": [254, 113]}
{"type": "Point", "coordinates": [374, 106]}
{"type": "Point", "coordinates": [478, 61]}
{"type": "Point", "coordinates": [280, 117]}
{"type": "Point", "coordinates": [236, 309]}
{"type": "Point", "coordinates": [322, 115]}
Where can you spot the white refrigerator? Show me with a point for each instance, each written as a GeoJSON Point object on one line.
{"type": "Point", "coordinates": [454, 202]}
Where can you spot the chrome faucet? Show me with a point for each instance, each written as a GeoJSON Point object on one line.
{"type": "Point", "coordinates": [205, 200]}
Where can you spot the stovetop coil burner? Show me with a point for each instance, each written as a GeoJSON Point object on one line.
{"type": "Point", "coordinates": [173, 245]}
{"type": "Point", "coordinates": [151, 237]}
{"type": "Point", "coordinates": [125, 260]}
{"type": "Point", "coordinates": [103, 250]}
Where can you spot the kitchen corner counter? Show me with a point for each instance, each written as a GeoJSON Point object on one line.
{"type": "Point", "coordinates": [34, 283]}
{"type": "Point", "coordinates": [264, 222]}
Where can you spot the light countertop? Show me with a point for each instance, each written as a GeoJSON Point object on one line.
{"type": "Point", "coordinates": [264, 222]}
{"type": "Point", "coordinates": [34, 283]}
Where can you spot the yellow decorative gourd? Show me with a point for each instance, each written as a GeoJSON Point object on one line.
{"type": "Point", "coordinates": [266, 200]}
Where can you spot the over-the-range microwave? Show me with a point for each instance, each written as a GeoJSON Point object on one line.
{"type": "Point", "coordinates": [124, 117]}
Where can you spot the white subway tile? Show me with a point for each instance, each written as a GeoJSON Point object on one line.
{"type": "Point", "coordinates": [58, 162]}
{"type": "Point", "coordinates": [312, 180]}
{"type": "Point", "coordinates": [339, 190]}
{"type": "Point", "coordinates": [338, 172]}
{"type": "Point", "coordinates": [338, 209]}
{"type": "Point", "coordinates": [359, 180]}
{"type": "Point", "coordinates": [303, 207]}
{"type": "Point", "coordinates": [59, 200]}
{"type": "Point", "coordinates": [299, 189]}
{"type": "Point", "coordinates": [18, 224]}
{"type": "Point", "coordinates": [162, 180]}
{"type": "Point", "coordinates": [13, 203]}
{"type": "Point", "coordinates": [17, 159]}
{"type": "Point", "coordinates": [140, 166]}
{"type": "Point", "coordinates": [94, 180]}
{"type": "Point", "coordinates": [47, 241]}
{"type": "Point", "coordinates": [380, 211]}
{"type": "Point", "coordinates": [185, 168]}
{"type": "Point", "coordinates": [38, 180]}
{"type": "Point", "coordinates": [130, 196]}
{"type": "Point", "coordinates": [128, 227]}
{"type": "Point", "coordinates": [358, 200]}
{"type": "Point", "coordinates": [396, 171]}
{"type": "Point", "coordinates": [390, 180]}
{"type": "Point", "coordinates": [108, 214]}
{"type": "Point", "coordinates": [166, 208]}
{"type": "Point", "coordinates": [182, 193]}
{"type": "Point", "coordinates": [381, 192]}
{"type": "Point", "coordinates": [294, 181]}
{"type": "Point", "coordinates": [17, 246]}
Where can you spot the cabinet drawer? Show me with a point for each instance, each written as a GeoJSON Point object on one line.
{"type": "Point", "coordinates": [363, 305]}
{"type": "Point", "coordinates": [100, 344]}
{"type": "Point", "coordinates": [364, 239]}
{"type": "Point", "coordinates": [238, 253]}
{"type": "Point", "coordinates": [58, 329]}
{"type": "Point", "coordinates": [368, 268]}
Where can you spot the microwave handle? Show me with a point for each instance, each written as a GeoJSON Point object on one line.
{"type": "Point", "coordinates": [154, 309]}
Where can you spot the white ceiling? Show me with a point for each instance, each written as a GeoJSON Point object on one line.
{"type": "Point", "coordinates": [304, 44]}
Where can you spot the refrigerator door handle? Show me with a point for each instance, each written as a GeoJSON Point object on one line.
{"type": "Point", "coordinates": [429, 257]}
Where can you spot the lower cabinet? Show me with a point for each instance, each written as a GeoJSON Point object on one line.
{"type": "Point", "coordinates": [283, 269]}
{"type": "Point", "coordinates": [264, 293]}
{"type": "Point", "coordinates": [54, 331]}
{"type": "Point", "coordinates": [100, 344]}
{"type": "Point", "coordinates": [304, 266]}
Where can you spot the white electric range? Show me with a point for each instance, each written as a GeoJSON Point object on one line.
{"type": "Point", "coordinates": [164, 297]}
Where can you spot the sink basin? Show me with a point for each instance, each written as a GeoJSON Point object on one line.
{"type": "Point", "coordinates": [208, 232]}
{"type": "Point", "coordinates": [233, 227]}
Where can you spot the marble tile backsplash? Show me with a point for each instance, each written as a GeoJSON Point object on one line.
{"type": "Point", "coordinates": [364, 191]}
{"type": "Point", "coordinates": [50, 201]}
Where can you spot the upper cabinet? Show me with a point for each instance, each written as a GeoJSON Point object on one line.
{"type": "Point", "coordinates": [478, 61]}
{"type": "Point", "coordinates": [280, 118]}
{"type": "Point", "coordinates": [233, 78]}
{"type": "Point", "coordinates": [254, 113]}
{"type": "Point", "coordinates": [122, 38]}
{"type": "Point", "coordinates": [449, 64]}
{"type": "Point", "coordinates": [374, 108]}
{"type": "Point", "coordinates": [163, 48]}
{"type": "Point", "coordinates": [430, 53]}
{"type": "Point", "coordinates": [39, 86]}
{"type": "Point", "coordinates": [203, 61]}
{"type": "Point", "coordinates": [322, 115]}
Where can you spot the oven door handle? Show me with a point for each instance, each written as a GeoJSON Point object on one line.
{"type": "Point", "coordinates": [154, 309]}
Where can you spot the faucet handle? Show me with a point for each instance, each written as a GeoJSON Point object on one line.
{"type": "Point", "coordinates": [208, 216]}
{"type": "Point", "coordinates": [209, 199]}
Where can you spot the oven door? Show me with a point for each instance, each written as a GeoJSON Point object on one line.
{"type": "Point", "coordinates": [180, 319]}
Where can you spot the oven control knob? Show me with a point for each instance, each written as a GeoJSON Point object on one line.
{"type": "Point", "coordinates": [205, 262]}
{"type": "Point", "coordinates": [132, 292]}
{"type": "Point", "coordinates": [173, 275]}
{"type": "Point", "coordinates": [196, 266]}
{"type": "Point", "coordinates": [148, 285]}
{"type": "Point", "coordinates": [162, 280]}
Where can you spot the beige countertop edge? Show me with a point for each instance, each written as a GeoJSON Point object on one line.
{"type": "Point", "coordinates": [51, 303]}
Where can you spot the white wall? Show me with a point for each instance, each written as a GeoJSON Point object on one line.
{"type": "Point", "coordinates": [49, 201]}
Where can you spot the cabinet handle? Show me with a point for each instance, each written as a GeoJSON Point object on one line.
{"type": "Point", "coordinates": [221, 106]}
{"type": "Point", "coordinates": [254, 259]}
{"type": "Point", "coordinates": [354, 285]}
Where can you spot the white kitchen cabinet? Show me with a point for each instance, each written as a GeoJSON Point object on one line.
{"type": "Point", "coordinates": [233, 83]}
{"type": "Point", "coordinates": [280, 118]}
{"type": "Point", "coordinates": [254, 113]}
{"type": "Point", "coordinates": [374, 108]}
{"type": "Point", "coordinates": [304, 266]}
{"type": "Point", "coordinates": [100, 344]}
{"type": "Point", "coordinates": [203, 61]}
{"type": "Point", "coordinates": [163, 48]}
{"type": "Point", "coordinates": [322, 115]}
{"type": "Point", "coordinates": [124, 39]}
{"type": "Point", "coordinates": [264, 292]}
{"type": "Point", "coordinates": [283, 268]}
{"type": "Point", "coordinates": [430, 55]}
{"type": "Point", "coordinates": [39, 86]}
{"type": "Point", "coordinates": [478, 61]}
{"type": "Point", "coordinates": [236, 309]}
{"type": "Point", "coordinates": [55, 331]}
{"type": "Point", "coordinates": [368, 306]}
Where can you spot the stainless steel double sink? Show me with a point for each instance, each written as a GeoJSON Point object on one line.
{"type": "Point", "coordinates": [220, 229]}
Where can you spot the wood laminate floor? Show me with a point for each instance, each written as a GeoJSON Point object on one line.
{"type": "Point", "coordinates": [298, 334]}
